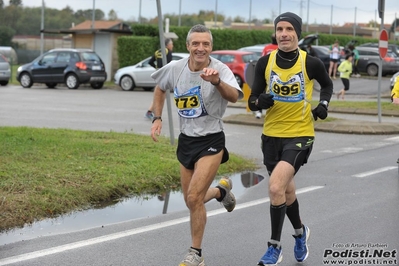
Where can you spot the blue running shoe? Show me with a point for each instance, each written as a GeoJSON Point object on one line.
{"type": "Point", "coordinates": [273, 256]}
{"type": "Point", "coordinates": [301, 251]}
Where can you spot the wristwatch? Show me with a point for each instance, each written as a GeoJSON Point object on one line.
{"type": "Point", "coordinates": [325, 103]}
{"type": "Point", "coordinates": [156, 118]}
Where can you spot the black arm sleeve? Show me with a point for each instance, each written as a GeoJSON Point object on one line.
{"type": "Point", "coordinates": [151, 62]}
{"type": "Point", "coordinates": [169, 57]}
{"type": "Point", "coordinates": [259, 84]}
{"type": "Point", "coordinates": [316, 70]}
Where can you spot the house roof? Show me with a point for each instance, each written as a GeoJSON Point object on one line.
{"type": "Point", "coordinates": [115, 26]}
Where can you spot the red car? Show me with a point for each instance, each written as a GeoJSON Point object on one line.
{"type": "Point", "coordinates": [236, 61]}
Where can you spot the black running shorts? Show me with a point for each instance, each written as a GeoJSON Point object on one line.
{"type": "Point", "coordinates": [191, 149]}
{"type": "Point", "coordinates": [294, 151]}
{"type": "Point", "coordinates": [345, 81]}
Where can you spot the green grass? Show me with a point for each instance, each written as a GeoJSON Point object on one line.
{"type": "Point", "coordinates": [49, 172]}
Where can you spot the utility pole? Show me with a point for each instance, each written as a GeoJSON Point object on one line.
{"type": "Point", "coordinates": [41, 32]}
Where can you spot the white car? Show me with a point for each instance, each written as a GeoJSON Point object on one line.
{"type": "Point", "coordinates": [139, 75]}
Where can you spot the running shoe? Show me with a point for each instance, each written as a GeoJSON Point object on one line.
{"type": "Point", "coordinates": [258, 114]}
{"type": "Point", "coordinates": [273, 256]}
{"type": "Point", "coordinates": [229, 201]}
{"type": "Point", "coordinates": [192, 259]}
{"type": "Point", "coordinates": [301, 251]}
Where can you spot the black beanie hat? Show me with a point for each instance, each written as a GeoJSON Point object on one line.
{"type": "Point", "coordinates": [292, 18]}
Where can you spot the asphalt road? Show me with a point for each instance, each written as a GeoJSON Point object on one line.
{"type": "Point", "coordinates": [348, 193]}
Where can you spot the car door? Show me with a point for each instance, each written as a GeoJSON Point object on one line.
{"type": "Point", "coordinates": [142, 74]}
{"type": "Point", "coordinates": [42, 70]}
{"type": "Point", "coordinates": [60, 64]}
{"type": "Point", "coordinates": [363, 60]}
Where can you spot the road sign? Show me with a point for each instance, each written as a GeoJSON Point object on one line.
{"type": "Point", "coordinates": [383, 43]}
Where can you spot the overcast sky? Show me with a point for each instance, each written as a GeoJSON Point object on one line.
{"type": "Point", "coordinates": [361, 11]}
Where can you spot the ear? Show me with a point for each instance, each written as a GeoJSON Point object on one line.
{"type": "Point", "coordinates": [187, 46]}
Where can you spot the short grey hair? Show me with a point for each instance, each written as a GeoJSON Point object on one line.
{"type": "Point", "coordinates": [198, 28]}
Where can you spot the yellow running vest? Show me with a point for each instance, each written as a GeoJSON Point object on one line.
{"type": "Point", "coordinates": [291, 115]}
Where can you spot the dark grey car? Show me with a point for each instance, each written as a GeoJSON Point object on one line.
{"type": "Point", "coordinates": [5, 71]}
{"type": "Point", "coordinates": [70, 66]}
{"type": "Point", "coordinates": [393, 47]}
{"type": "Point", "coordinates": [369, 58]}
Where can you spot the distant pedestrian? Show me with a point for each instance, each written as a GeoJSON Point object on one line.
{"type": "Point", "coordinates": [271, 46]}
{"type": "Point", "coordinates": [355, 60]}
{"type": "Point", "coordinates": [311, 51]}
{"type": "Point", "coordinates": [156, 62]}
{"type": "Point", "coordinates": [395, 92]}
{"type": "Point", "coordinates": [345, 70]}
{"type": "Point", "coordinates": [335, 55]}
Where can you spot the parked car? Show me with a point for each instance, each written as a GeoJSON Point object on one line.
{"type": "Point", "coordinates": [257, 49]}
{"type": "Point", "coordinates": [393, 47]}
{"type": "Point", "coordinates": [139, 75]}
{"type": "Point", "coordinates": [369, 60]}
{"type": "Point", "coordinates": [323, 53]}
{"type": "Point", "coordinates": [70, 66]}
{"type": "Point", "coordinates": [5, 71]}
{"type": "Point", "coordinates": [236, 61]}
{"type": "Point", "coordinates": [393, 80]}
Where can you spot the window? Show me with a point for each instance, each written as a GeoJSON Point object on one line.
{"type": "Point", "coordinates": [63, 57]}
{"type": "Point", "coordinates": [48, 59]}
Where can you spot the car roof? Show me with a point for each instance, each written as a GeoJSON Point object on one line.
{"type": "Point", "coordinates": [70, 50]}
{"type": "Point", "coordinates": [181, 54]}
{"type": "Point", "coordinates": [236, 52]}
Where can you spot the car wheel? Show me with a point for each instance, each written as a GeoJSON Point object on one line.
{"type": "Point", "coordinates": [72, 81]}
{"type": "Point", "coordinates": [148, 88]}
{"type": "Point", "coordinates": [51, 85]}
{"type": "Point", "coordinates": [97, 85]}
{"type": "Point", "coordinates": [26, 80]}
{"type": "Point", "coordinates": [239, 80]}
{"type": "Point", "coordinates": [127, 83]}
{"type": "Point", "coordinates": [3, 83]}
{"type": "Point", "coordinates": [372, 70]}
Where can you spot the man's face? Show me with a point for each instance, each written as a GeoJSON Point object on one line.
{"type": "Point", "coordinates": [287, 39]}
{"type": "Point", "coordinates": [170, 46]}
{"type": "Point", "coordinates": [199, 47]}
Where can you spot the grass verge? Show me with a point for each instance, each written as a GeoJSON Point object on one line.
{"type": "Point", "coordinates": [45, 173]}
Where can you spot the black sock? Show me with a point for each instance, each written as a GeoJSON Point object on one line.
{"type": "Point", "coordinates": [293, 215]}
{"type": "Point", "coordinates": [199, 251]}
{"type": "Point", "coordinates": [222, 193]}
{"type": "Point", "coordinates": [277, 215]}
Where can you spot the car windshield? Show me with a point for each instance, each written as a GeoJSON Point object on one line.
{"type": "Point", "coordinates": [2, 59]}
{"type": "Point", "coordinates": [322, 50]}
{"type": "Point", "coordinates": [89, 56]}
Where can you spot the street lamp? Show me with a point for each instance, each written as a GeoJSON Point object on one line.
{"type": "Point", "coordinates": [216, 11]}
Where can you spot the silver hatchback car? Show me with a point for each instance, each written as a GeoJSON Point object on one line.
{"type": "Point", "coordinates": [139, 75]}
{"type": "Point", "coordinates": [5, 71]}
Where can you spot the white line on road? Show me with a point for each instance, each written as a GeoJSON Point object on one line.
{"type": "Point", "coordinates": [376, 171]}
{"type": "Point", "coordinates": [88, 242]}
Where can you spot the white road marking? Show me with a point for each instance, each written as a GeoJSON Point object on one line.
{"type": "Point", "coordinates": [101, 239]}
{"type": "Point", "coordinates": [376, 171]}
{"type": "Point", "coordinates": [396, 139]}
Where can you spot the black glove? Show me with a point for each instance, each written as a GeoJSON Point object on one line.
{"type": "Point", "coordinates": [265, 101]}
{"type": "Point", "coordinates": [320, 112]}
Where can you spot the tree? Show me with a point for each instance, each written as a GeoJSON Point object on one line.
{"type": "Point", "coordinates": [6, 35]}
{"type": "Point", "coordinates": [112, 15]}
{"type": "Point", "coordinates": [15, 2]}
